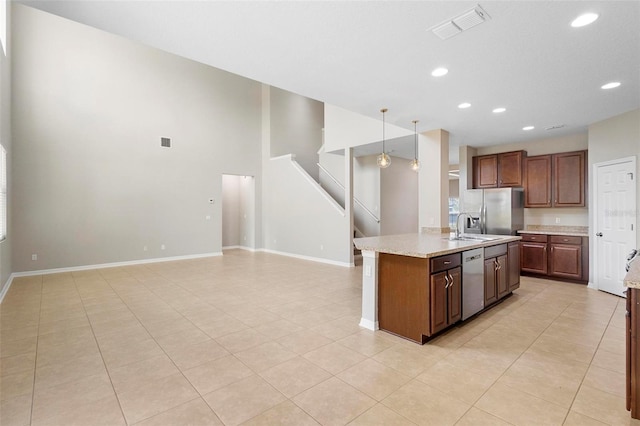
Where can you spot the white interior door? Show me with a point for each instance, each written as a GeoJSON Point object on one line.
{"type": "Point", "coordinates": [615, 221]}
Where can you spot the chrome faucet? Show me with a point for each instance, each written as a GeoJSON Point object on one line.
{"type": "Point", "coordinates": [458, 233]}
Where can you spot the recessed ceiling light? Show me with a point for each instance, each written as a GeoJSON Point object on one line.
{"type": "Point", "coordinates": [439, 72]}
{"type": "Point", "coordinates": [464, 105]}
{"type": "Point", "coordinates": [528, 128]}
{"type": "Point", "coordinates": [584, 19]}
{"type": "Point", "coordinates": [499, 110]}
{"type": "Point", "coordinates": [611, 85]}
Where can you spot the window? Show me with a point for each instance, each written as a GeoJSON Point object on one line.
{"type": "Point", "coordinates": [3, 194]}
{"type": "Point", "coordinates": [454, 209]}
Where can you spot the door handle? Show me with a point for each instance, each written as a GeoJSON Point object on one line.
{"type": "Point", "coordinates": [446, 279]}
{"type": "Point", "coordinates": [599, 234]}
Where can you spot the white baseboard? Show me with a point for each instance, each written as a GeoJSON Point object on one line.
{"type": "Point", "coordinates": [251, 249]}
{"type": "Point", "coordinates": [114, 264]}
{"type": "Point", "coordinates": [313, 259]}
{"type": "Point", "coordinates": [369, 325]}
{"type": "Point", "coordinates": [5, 289]}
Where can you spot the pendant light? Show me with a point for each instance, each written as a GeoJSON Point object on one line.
{"type": "Point", "coordinates": [415, 164]}
{"type": "Point", "coordinates": [384, 160]}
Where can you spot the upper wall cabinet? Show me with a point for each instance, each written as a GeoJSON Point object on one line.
{"type": "Point", "coordinates": [557, 180]}
{"type": "Point", "coordinates": [498, 170]}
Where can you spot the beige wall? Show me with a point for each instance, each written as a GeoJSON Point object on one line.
{"type": "Point", "coordinates": [617, 137]}
{"type": "Point", "coordinates": [398, 198]}
{"type": "Point", "coordinates": [296, 128]}
{"type": "Point", "coordinates": [93, 184]}
{"type": "Point", "coordinates": [5, 139]}
{"type": "Point", "coordinates": [552, 145]}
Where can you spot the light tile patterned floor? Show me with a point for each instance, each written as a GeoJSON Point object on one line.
{"type": "Point", "coordinates": [260, 339]}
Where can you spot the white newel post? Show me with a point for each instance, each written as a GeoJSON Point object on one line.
{"type": "Point", "coordinates": [369, 318]}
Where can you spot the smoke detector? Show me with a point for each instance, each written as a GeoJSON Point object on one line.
{"type": "Point", "coordinates": [460, 23]}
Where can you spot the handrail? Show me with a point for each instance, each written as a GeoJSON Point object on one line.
{"type": "Point", "coordinates": [355, 200]}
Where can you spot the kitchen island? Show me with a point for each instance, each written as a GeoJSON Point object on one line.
{"type": "Point", "coordinates": [412, 284]}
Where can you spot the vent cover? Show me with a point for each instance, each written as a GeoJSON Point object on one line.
{"type": "Point", "coordinates": [557, 126]}
{"type": "Point", "coordinates": [460, 23]}
{"type": "Point", "coordinates": [165, 142]}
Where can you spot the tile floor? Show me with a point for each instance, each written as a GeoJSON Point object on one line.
{"type": "Point", "coordinates": [261, 339]}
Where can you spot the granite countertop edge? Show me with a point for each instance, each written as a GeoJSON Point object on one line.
{"type": "Point", "coordinates": [566, 234]}
{"type": "Point", "coordinates": [416, 245]}
{"type": "Point", "coordinates": [632, 279]}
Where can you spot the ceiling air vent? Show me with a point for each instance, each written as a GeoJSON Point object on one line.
{"type": "Point", "coordinates": [460, 23]}
{"type": "Point", "coordinates": [165, 142]}
{"type": "Point", "coordinates": [557, 126]}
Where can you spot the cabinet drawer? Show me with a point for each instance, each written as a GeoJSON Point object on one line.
{"type": "Point", "coordinates": [534, 237]}
{"type": "Point", "coordinates": [495, 251]}
{"type": "Point", "coordinates": [563, 239]}
{"type": "Point", "coordinates": [443, 263]}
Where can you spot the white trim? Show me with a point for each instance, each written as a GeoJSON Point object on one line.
{"type": "Point", "coordinates": [5, 290]}
{"type": "Point", "coordinates": [251, 249]}
{"type": "Point", "coordinates": [369, 325]}
{"type": "Point", "coordinates": [594, 219]}
{"type": "Point", "coordinates": [114, 265]}
{"type": "Point", "coordinates": [312, 181]}
{"type": "Point", "coordinates": [313, 259]}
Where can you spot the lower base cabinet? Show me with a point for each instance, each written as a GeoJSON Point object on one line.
{"type": "Point", "coordinates": [513, 257]}
{"type": "Point", "coordinates": [496, 283]}
{"type": "Point", "coordinates": [557, 256]}
{"type": "Point", "coordinates": [446, 301]}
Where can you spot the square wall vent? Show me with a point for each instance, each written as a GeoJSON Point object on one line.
{"type": "Point", "coordinates": [460, 23]}
{"type": "Point", "coordinates": [165, 142]}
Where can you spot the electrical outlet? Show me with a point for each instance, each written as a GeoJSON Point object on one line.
{"type": "Point", "coordinates": [34, 257]}
{"type": "Point", "coordinates": [162, 247]}
{"type": "Point", "coordinates": [144, 248]}
{"type": "Point", "coordinates": [207, 217]}
{"type": "Point", "coordinates": [557, 220]}
{"type": "Point", "coordinates": [367, 271]}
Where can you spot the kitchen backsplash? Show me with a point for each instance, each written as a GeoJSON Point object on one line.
{"type": "Point", "coordinates": [558, 228]}
{"type": "Point", "coordinates": [557, 217]}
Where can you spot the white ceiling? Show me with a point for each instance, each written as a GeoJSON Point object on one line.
{"type": "Point", "coordinates": [366, 55]}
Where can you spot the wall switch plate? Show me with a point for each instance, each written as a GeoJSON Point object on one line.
{"type": "Point", "coordinates": [162, 247]}
{"type": "Point", "coordinates": [367, 271]}
{"type": "Point", "coordinates": [557, 220]}
{"type": "Point", "coordinates": [34, 257]}
{"type": "Point", "coordinates": [207, 217]}
{"type": "Point", "coordinates": [144, 248]}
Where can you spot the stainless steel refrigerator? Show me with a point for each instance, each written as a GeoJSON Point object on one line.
{"type": "Point", "coordinates": [493, 211]}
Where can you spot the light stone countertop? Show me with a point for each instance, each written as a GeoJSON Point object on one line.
{"type": "Point", "coordinates": [632, 279]}
{"type": "Point", "coordinates": [426, 244]}
{"type": "Point", "coordinates": [569, 231]}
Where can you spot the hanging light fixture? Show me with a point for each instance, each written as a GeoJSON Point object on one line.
{"type": "Point", "coordinates": [415, 164]}
{"type": "Point", "coordinates": [384, 160]}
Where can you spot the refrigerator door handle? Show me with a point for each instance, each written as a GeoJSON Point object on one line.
{"type": "Point", "coordinates": [484, 219]}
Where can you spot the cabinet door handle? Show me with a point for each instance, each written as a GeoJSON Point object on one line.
{"type": "Point", "coordinates": [565, 240]}
{"type": "Point", "coordinates": [533, 238]}
{"type": "Point", "coordinates": [446, 279]}
{"type": "Point", "coordinates": [450, 281]}
{"type": "Point", "coordinates": [447, 262]}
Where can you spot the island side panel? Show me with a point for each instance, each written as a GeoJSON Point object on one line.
{"type": "Point", "coordinates": [369, 318]}
{"type": "Point", "coordinates": [403, 295]}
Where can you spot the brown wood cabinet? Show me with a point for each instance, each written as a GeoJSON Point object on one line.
{"type": "Point", "coordinates": [446, 299]}
{"type": "Point", "coordinates": [533, 254]}
{"type": "Point", "coordinates": [513, 257]}
{"type": "Point", "coordinates": [537, 178]}
{"type": "Point", "coordinates": [557, 256]}
{"type": "Point", "coordinates": [557, 180]}
{"type": "Point", "coordinates": [633, 352]}
{"type": "Point", "coordinates": [403, 295]}
{"type": "Point", "coordinates": [569, 179]}
{"type": "Point", "coordinates": [496, 282]}
{"type": "Point", "coordinates": [498, 170]}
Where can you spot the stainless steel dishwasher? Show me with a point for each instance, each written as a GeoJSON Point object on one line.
{"type": "Point", "coordinates": [472, 282]}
